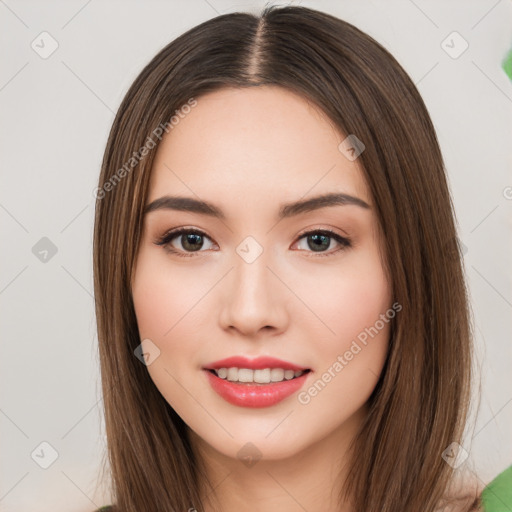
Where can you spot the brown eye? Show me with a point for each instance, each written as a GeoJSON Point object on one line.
{"type": "Point", "coordinates": [191, 240]}
{"type": "Point", "coordinates": [319, 241]}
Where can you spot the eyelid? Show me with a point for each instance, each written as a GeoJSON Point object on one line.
{"type": "Point", "coordinates": [344, 241]}
{"type": "Point", "coordinates": [165, 239]}
{"type": "Point", "coordinates": [326, 229]}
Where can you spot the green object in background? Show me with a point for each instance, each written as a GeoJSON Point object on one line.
{"type": "Point", "coordinates": [507, 64]}
{"type": "Point", "coordinates": [497, 495]}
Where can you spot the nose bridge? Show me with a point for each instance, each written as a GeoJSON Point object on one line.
{"type": "Point", "coordinates": [252, 277]}
{"type": "Point", "coordinates": [252, 283]}
{"type": "Point", "coordinates": [252, 296]}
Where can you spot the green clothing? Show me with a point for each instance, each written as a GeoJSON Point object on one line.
{"type": "Point", "coordinates": [496, 496]}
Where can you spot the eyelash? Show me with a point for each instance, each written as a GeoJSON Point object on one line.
{"type": "Point", "coordinates": [166, 238]}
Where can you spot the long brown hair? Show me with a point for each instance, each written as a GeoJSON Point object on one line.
{"type": "Point", "coordinates": [420, 404]}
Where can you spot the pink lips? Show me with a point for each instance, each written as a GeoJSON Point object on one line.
{"type": "Point", "coordinates": [254, 395]}
{"type": "Point", "coordinates": [259, 363]}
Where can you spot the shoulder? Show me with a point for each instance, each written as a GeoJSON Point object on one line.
{"type": "Point", "coordinates": [107, 508]}
{"type": "Point", "coordinates": [497, 495]}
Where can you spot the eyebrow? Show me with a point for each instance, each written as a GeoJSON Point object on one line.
{"type": "Point", "coordinates": [189, 204]}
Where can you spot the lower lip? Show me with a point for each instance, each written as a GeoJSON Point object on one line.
{"type": "Point", "coordinates": [255, 395]}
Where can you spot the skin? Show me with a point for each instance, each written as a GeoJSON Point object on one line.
{"type": "Point", "coordinates": [248, 151]}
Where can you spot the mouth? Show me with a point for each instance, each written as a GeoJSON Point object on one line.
{"type": "Point", "coordinates": [258, 382]}
{"type": "Point", "coordinates": [261, 377]}
{"type": "Point", "coordinates": [244, 390]}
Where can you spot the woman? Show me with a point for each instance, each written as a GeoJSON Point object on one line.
{"type": "Point", "coordinates": [282, 313]}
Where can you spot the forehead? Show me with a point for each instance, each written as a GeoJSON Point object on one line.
{"type": "Point", "coordinates": [260, 142]}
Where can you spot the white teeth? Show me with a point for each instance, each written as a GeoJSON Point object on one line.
{"type": "Point", "coordinates": [222, 373]}
{"type": "Point", "coordinates": [233, 374]}
{"type": "Point", "coordinates": [276, 374]}
{"type": "Point", "coordinates": [264, 376]}
{"type": "Point", "coordinates": [289, 374]}
{"type": "Point", "coordinates": [245, 375]}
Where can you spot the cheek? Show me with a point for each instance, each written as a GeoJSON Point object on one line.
{"type": "Point", "coordinates": [164, 307]}
{"type": "Point", "coordinates": [160, 298]}
{"type": "Point", "coordinates": [360, 303]}
{"type": "Point", "coordinates": [349, 356]}
{"type": "Point", "coordinates": [349, 361]}
{"type": "Point", "coordinates": [351, 299]}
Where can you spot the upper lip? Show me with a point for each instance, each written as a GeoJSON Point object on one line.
{"type": "Point", "coordinates": [259, 363]}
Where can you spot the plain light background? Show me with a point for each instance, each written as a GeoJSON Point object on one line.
{"type": "Point", "coordinates": [56, 113]}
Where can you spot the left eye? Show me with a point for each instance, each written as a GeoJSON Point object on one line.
{"type": "Point", "coordinates": [192, 240]}
{"type": "Point", "coordinates": [322, 240]}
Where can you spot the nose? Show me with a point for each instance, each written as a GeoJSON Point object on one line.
{"type": "Point", "coordinates": [254, 299]}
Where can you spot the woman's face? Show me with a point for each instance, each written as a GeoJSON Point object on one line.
{"type": "Point", "coordinates": [257, 278]}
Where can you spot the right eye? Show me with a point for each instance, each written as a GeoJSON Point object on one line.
{"type": "Point", "coordinates": [191, 240]}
